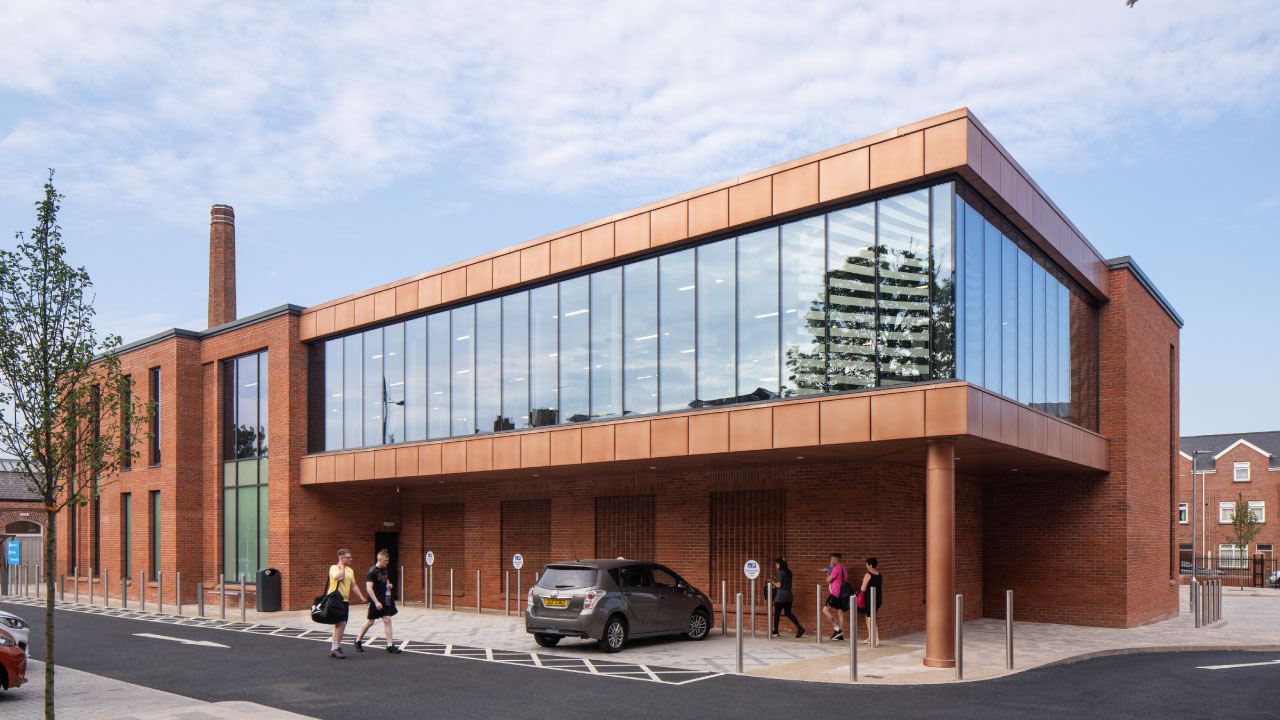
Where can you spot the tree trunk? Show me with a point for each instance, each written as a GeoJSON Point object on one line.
{"type": "Point", "coordinates": [50, 573]}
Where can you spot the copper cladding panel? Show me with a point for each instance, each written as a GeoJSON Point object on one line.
{"type": "Point", "coordinates": [324, 468]}
{"type": "Point", "coordinates": [566, 253]}
{"type": "Point", "coordinates": [566, 447]}
{"type": "Point", "coordinates": [344, 316]}
{"type": "Point", "coordinates": [708, 213]}
{"type": "Point", "coordinates": [406, 462]}
{"type": "Point", "coordinates": [453, 285]}
{"type": "Point", "coordinates": [506, 452]}
{"type": "Point", "coordinates": [364, 465]}
{"type": "Point", "coordinates": [795, 425]}
{"type": "Point", "coordinates": [506, 270]}
{"type": "Point", "coordinates": [631, 440]}
{"type": "Point", "coordinates": [992, 425]}
{"type": "Point", "coordinates": [670, 223]}
{"type": "Point", "coordinates": [946, 411]}
{"type": "Point", "coordinates": [946, 146]}
{"type": "Point", "coordinates": [307, 326]}
{"type": "Point", "coordinates": [384, 463]}
{"type": "Point", "coordinates": [480, 277]}
{"type": "Point", "coordinates": [325, 320]}
{"type": "Point", "coordinates": [751, 201]}
{"type": "Point", "coordinates": [453, 457]}
{"type": "Point", "coordinates": [535, 450]}
{"type": "Point", "coordinates": [897, 160]}
{"type": "Point", "coordinates": [897, 415]}
{"type": "Point", "coordinates": [479, 455]}
{"type": "Point", "coordinates": [597, 244]}
{"type": "Point", "coordinates": [384, 305]}
{"type": "Point", "coordinates": [429, 291]}
{"type": "Point", "coordinates": [1009, 422]}
{"type": "Point", "coordinates": [344, 468]}
{"type": "Point", "coordinates": [750, 429]}
{"type": "Point", "coordinates": [535, 262]}
{"type": "Point", "coordinates": [597, 444]}
{"type": "Point", "coordinates": [795, 188]}
{"type": "Point", "coordinates": [631, 234]}
{"type": "Point", "coordinates": [708, 433]}
{"type": "Point", "coordinates": [430, 459]}
{"type": "Point", "coordinates": [847, 420]}
{"type": "Point", "coordinates": [844, 175]}
{"type": "Point", "coordinates": [363, 313]}
{"type": "Point", "coordinates": [308, 474]}
{"type": "Point", "coordinates": [407, 298]}
{"type": "Point", "coordinates": [669, 437]}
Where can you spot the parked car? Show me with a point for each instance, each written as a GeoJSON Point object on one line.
{"type": "Point", "coordinates": [611, 601]}
{"type": "Point", "coordinates": [13, 662]}
{"type": "Point", "coordinates": [17, 627]}
{"type": "Point", "coordinates": [1274, 580]}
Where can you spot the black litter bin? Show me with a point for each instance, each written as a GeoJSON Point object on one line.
{"type": "Point", "coordinates": [268, 590]}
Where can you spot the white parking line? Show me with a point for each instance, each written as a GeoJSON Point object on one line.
{"type": "Point", "coordinates": [1239, 665]}
{"type": "Point", "coordinates": [590, 666]}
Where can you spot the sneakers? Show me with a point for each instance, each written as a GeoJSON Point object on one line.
{"type": "Point", "coordinates": [837, 635]}
{"type": "Point", "coordinates": [775, 634]}
{"type": "Point", "coordinates": [359, 646]}
{"type": "Point", "coordinates": [394, 650]}
{"type": "Point", "coordinates": [800, 633]}
{"type": "Point", "coordinates": [337, 654]}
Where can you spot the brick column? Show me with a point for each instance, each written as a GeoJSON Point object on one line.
{"type": "Point", "coordinates": [940, 553]}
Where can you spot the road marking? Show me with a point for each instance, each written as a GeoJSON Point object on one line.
{"type": "Point", "coordinates": [650, 672]}
{"type": "Point", "coordinates": [590, 666]}
{"type": "Point", "coordinates": [1240, 665]}
{"type": "Point", "coordinates": [184, 641]}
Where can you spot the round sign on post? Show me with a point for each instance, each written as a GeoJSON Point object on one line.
{"type": "Point", "coordinates": [517, 561]}
{"type": "Point", "coordinates": [431, 558]}
{"type": "Point", "coordinates": [751, 569]}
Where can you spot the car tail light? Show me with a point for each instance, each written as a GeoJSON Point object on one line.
{"type": "Point", "coordinates": [529, 603]}
{"type": "Point", "coordinates": [592, 597]}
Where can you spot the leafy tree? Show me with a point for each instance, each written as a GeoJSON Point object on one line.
{"type": "Point", "coordinates": [1244, 525]}
{"type": "Point", "coordinates": [66, 410]}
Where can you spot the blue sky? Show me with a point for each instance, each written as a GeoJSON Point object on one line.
{"type": "Point", "coordinates": [362, 143]}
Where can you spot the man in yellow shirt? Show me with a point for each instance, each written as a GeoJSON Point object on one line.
{"type": "Point", "coordinates": [343, 580]}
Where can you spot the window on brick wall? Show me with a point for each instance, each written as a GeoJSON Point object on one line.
{"type": "Point", "coordinates": [155, 415]}
{"type": "Point", "coordinates": [625, 527]}
{"type": "Point", "coordinates": [155, 533]}
{"type": "Point", "coordinates": [1258, 509]}
{"type": "Point", "coordinates": [1182, 513]}
{"type": "Point", "coordinates": [1264, 548]}
{"type": "Point", "coordinates": [1226, 512]}
{"type": "Point", "coordinates": [1231, 556]}
{"type": "Point", "coordinates": [1241, 472]}
{"type": "Point", "coordinates": [126, 424]}
{"type": "Point", "coordinates": [126, 534]}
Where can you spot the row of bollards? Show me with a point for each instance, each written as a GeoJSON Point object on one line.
{"type": "Point", "coordinates": [1206, 601]}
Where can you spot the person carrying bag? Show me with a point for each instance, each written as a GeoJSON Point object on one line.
{"type": "Point", "coordinates": [333, 607]}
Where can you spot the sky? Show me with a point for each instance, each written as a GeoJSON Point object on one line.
{"type": "Point", "coordinates": [361, 143]}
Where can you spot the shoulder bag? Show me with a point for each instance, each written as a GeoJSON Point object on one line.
{"type": "Point", "coordinates": [328, 608]}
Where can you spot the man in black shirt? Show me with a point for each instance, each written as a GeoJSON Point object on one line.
{"type": "Point", "coordinates": [381, 602]}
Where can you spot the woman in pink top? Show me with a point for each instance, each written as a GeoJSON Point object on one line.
{"type": "Point", "coordinates": [835, 609]}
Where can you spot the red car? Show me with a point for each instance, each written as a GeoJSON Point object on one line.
{"type": "Point", "coordinates": [13, 662]}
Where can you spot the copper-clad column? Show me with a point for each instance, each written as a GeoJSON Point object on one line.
{"type": "Point", "coordinates": [940, 553]}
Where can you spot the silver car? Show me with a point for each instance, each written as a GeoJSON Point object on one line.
{"type": "Point", "coordinates": [17, 627]}
{"type": "Point", "coordinates": [610, 601]}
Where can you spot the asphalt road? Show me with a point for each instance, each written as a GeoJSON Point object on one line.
{"type": "Point", "coordinates": [298, 675]}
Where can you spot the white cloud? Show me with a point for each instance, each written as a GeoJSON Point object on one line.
{"type": "Point", "coordinates": [175, 104]}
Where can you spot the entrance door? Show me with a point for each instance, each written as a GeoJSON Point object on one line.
{"type": "Point", "coordinates": [389, 541]}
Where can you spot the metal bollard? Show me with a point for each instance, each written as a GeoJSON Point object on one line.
{"type": "Point", "coordinates": [477, 592]}
{"type": "Point", "coordinates": [873, 635]}
{"type": "Point", "coordinates": [1195, 604]}
{"type": "Point", "coordinates": [62, 588]}
{"type": "Point", "coordinates": [426, 588]}
{"type": "Point", "coordinates": [768, 611]}
{"type": "Point", "coordinates": [959, 637]}
{"type": "Point", "coordinates": [450, 589]}
{"type": "Point", "coordinates": [200, 599]}
{"type": "Point", "coordinates": [1008, 629]}
{"type": "Point", "coordinates": [519, 596]}
{"type": "Point", "coordinates": [142, 590]}
{"type": "Point", "coordinates": [124, 592]}
{"type": "Point", "coordinates": [222, 596]}
{"type": "Point", "coordinates": [724, 608]}
{"type": "Point", "coordinates": [853, 654]}
{"type": "Point", "coordinates": [106, 595]}
{"type": "Point", "coordinates": [506, 593]}
{"type": "Point", "coordinates": [160, 592]}
{"type": "Point", "coordinates": [753, 608]}
{"type": "Point", "coordinates": [817, 612]}
{"type": "Point", "coordinates": [75, 572]}
{"type": "Point", "coordinates": [241, 597]}
{"type": "Point", "coordinates": [177, 592]}
{"type": "Point", "coordinates": [401, 585]}
{"type": "Point", "coordinates": [738, 639]}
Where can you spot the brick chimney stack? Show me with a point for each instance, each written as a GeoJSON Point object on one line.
{"type": "Point", "coordinates": [222, 265]}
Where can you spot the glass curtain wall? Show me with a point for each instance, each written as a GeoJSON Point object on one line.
{"type": "Point", "coordinates": [926, 285]}
{"type": "Point", "coordinates": [244, 472]}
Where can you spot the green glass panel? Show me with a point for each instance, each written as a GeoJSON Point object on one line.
{"type": "Point", "coordinates": [262, 471]}
{"type": "Point", "coordinates": [229, 474]}
{"type": "Point", "coordinates": [247, 472]}
{"type": "Point", "coordinates": [229, 532]}
{"type": "Point", "coordinates": [264, 522]}
{"type": "Point", "coordinates": [247, 531]}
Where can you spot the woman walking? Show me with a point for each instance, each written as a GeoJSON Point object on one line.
{"type": "Point", "coordinates": [782, 597]}
{"type": "Point", "coordinates": [871, 579]}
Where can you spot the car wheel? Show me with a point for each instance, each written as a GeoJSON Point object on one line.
{"type": "Point", "coordinates": [615, 634]}
{"type": "Point", "coordinates": [546, 640]}
{"type": "Point", "coordinates": [699, 625]}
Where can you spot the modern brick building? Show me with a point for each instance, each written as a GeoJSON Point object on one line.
{"type": "Point", "coordinates": [1229, 467]}
{"type": "Point", "coordinates": [22, 514]}
{"type": "Point", "coordinates": [899, 347]}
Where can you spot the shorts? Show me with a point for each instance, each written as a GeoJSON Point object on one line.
{"type": "Point", "coordinates": [835, 603]}
{"type": "Point", "coordinates": [388, 609]}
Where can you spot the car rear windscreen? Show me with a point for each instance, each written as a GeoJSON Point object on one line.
{"type": "Point", "coordinates": [561, 578]}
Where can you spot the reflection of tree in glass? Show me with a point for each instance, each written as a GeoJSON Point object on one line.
{"type": "Point", "coordinates": [943, 320]}
{"type": "Point", "coordinates": [247, 441]}
{"type": "Point", "coordinates": [903, 307]}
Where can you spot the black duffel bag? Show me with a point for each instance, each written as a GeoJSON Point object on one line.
{"type": "Point", "coordinates": [329, 608]}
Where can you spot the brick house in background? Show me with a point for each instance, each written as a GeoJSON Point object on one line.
{"type": "Point", "coordinates": [22, 513]}
{"type": "Point", "coordinates": [1234, 465]}
{"type": "Point", "coordinates": [899, 347]}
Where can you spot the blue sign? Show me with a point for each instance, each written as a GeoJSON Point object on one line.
{"type": "Point", "coordinates": [14, 556]}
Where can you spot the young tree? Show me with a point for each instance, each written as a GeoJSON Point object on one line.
{"type": "Point", "coordinates": [66, 410]}
{"type": "Point", "coordinates": [1244, 527]}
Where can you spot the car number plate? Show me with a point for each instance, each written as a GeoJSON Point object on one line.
{"type": "Point", "coordinates": [555, 602]}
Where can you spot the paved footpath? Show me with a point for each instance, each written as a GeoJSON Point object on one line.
{"type": "Point", "coordinates": [85, 696]}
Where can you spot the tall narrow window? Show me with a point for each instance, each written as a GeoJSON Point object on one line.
{"type": "Point", "coordinates": [95, 507]}
{"type": "Point", "coordinates": [851, 298]}
{"type": "Point", "coordinates": [374, 390]}
{"type": "Point", "coordinates": [991, 285]}
{"type": "Point", "coordinates": [717, 372]}
{"type": "Point", "coordinates": [943, 275]}
{"type": "Point", "coordinates": [333, 394]}
{"type": "Point", "coordinates": [606, 343]}
{"type": "Point", "coordinates": [544, 355]}
{"type": "Point", "coordinates": [439, 375]}
{"type": "Point", "coordinates": [1025, 333]}
{"type": "Point", "coordinates": [245, 527]}
{"type": "Point", "coordinates": [640, 336]}
{"type": "Point", "coordinates": [155, 415]}
{"type": "Point", "coordinates": [126, 423]}
{"type": "Point", "coordinates": [126, 534]}
{"type": "Point", "coordinates": [415, 379]}
{"type": "Point", "coordinates": [515, 362]}
{"type": "Point", "coordinates": [393, 383]}
{"type": "Point", "coordinates": [804, 307]}
{"type": "Point", "coordinates": [757, 283]}
{"type": "Point", "coordinates": [974, 298]}
{"type": "Point", "coordinates": [155, 532]}
{"type": "Point", "coordinates": [1039, 314]}
{"type": "Point", "coordinates": [902, 288]}
{"type": "Point", "coordinates": [352, 391]}
{"type": "Point", "coordinates": [488, 350]}
{"type": "Point", "coordinates": [462, 360]}
{"type": "Point", "coordinates": [677, 351]}
{"type": "Point", "coordinates": [575, 332]}
{"type": "Point", "coordinates": [1009, 317]}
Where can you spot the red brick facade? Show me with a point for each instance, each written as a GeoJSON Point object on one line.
{"type": "Point", "coordinates": [1219, 486]}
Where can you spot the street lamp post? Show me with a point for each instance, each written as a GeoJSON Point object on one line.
{"type": "Point", "coordinates": [1196, 508]}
